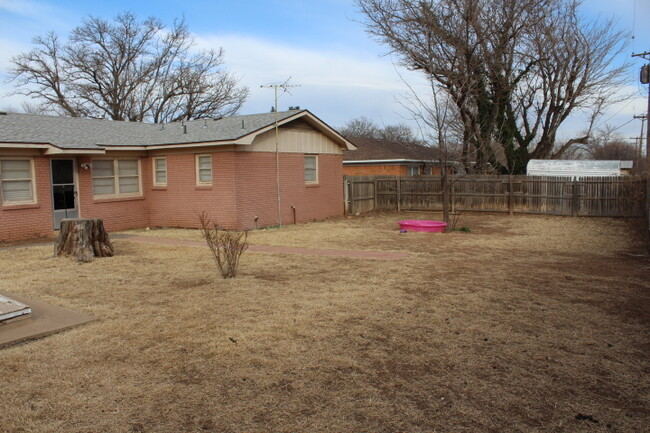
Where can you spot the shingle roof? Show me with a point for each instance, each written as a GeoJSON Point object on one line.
{"type": "Point", "coordinates": [374, 149]}
{"type": "Point", "coordinates": [82, 133]}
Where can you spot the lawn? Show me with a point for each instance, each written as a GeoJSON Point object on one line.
{"type": "Point", "coordinates": [525, 324]}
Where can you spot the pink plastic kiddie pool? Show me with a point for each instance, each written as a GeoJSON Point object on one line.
{"type": "Point", "coordinates": [422, 226]}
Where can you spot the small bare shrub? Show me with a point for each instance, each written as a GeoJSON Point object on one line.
{"type": "Point", "coordinates": [226, 246]}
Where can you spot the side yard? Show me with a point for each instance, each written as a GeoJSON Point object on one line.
{"type": "Point", "coordinates": [531, 324]}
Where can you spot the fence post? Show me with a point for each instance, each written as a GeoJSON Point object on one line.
{"type": "Point", "coordinates": [399, 193]}
{"type": "Point", "coordinates": [351, 186]}
{"type": "Point", "coordinates": [452, 188]}
{"type": "Point", "coordinates": [374, 194]}
{"type": "Point", "coordinates": [346, 196]}
{"type": "Point", "coordinates": [575, 201]}
{"type": "Point", "coordinates": [510, 196]}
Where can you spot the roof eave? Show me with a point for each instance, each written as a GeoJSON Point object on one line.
{"type": "Point", "coordinates": [391, 161]}
{"type": "Point", "coordinates": [12, 145]}
{"type": "Point", "coordinates": [51, 149]}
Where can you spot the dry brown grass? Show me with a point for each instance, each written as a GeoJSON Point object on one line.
{"type": "Point", "coordinates": [518, 326]}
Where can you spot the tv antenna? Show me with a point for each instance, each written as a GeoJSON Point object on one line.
{"type": "Point", "coordinates": [285, 89]}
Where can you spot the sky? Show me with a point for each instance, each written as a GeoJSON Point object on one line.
{"type": "Point", "coordinates": [320, 45]}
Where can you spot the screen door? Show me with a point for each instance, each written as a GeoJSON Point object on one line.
{"type": "Point", "coordinates": [64, 191]}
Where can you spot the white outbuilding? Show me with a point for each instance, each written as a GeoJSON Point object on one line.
{"type": "Point", "coordinates": [577, 168]}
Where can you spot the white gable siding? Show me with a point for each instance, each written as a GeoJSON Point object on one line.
{"type": "Point", "coordinates": [294, 140]}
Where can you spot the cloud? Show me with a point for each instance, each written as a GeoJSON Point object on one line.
{"type": "Point", "coordinates": [337, 85]}
{"type": "Point", "coordinates": [10, 49]}
{"type": "Point", "coordinates": [42, 12]}
{"type": "Point", "coordinates": [264, 61]}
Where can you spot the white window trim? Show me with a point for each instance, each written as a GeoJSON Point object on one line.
{"type": "Point", "coordinates": [315, 181]}
{"type": "Point", "coordinates": [32, 179]}
{"type": "Point", "coordinates": [196, 164]}
{"type": "Point", "coordinates": [116, 177]}
{"type": "Point", "coordinates": [155, 170]}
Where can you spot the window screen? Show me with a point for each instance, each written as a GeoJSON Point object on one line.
{"type": "Point", "coordinates": [311, 168]}
{"type": "Point", "coordinates": [16, 179]}
{"type": "Point", "coordinates": [204, 169]}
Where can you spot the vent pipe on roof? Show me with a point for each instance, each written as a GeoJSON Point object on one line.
{"type": "Point", "coordinates": [242, 124]}
{"type": "Point", "coordinates": [184, 129]}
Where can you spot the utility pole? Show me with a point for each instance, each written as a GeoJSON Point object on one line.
{"type": "Point", "coordinates": [275, 87]}
{"type": "Point", "coordinates": [639, 140]}
{"type": "Point", "coordinates": [645, 79]}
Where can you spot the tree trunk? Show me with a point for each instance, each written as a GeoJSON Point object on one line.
{"type": "Point", "coordinates": [84, 239]}
{"type": "Point", "coordinates": [446, 203]}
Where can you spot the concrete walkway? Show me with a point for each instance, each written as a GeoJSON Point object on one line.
{"type": "Point", "coordinates": [46, 319]}
{"type": "Point", "coordinates": [360, 254]}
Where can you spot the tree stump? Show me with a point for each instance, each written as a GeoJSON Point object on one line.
{"type": "Point", "coordinates": [84, 239]}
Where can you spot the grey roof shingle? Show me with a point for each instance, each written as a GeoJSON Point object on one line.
{"type": "Point", "coordinates": [81, 133]}
{"type": "Point", "coordinates": [375, 149]}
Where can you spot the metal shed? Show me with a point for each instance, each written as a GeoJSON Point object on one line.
{"type": "Point", "coordinates": [580, 168]}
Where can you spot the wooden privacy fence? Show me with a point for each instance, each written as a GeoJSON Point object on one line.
{"type": "Point", "coordinates": [623, 196]}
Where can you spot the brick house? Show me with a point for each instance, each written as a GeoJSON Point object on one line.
{"type": "Point", "coordinates": [385, 157]}
{"type": "Point", "coordinates": [138, 175]}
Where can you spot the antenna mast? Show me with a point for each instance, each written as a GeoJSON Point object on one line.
{"type": "Point", "coordinates": [284, 86]}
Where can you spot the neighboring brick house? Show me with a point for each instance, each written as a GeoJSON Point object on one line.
{"type": "Point", "coordinates": [138, 175]}
{"type": "Point", "coordinates": [385, 157]}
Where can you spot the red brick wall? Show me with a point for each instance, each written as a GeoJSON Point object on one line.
{"type": "Point", "coordinates": [117, 213]}
{"type": "Point", "coordinates": [30, 221]}
{"type": "Point", "coordinates": [177, 204]}
{"type": "Point", "coordinates": [390, 170]}
{"type": "Point", "coordinates": [243, 186]}
{"type": "Point", "coordinates": [370, 170]}
{"type": "Point", "coordinates": [257, 190]}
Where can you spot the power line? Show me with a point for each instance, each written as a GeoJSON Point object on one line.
{"type": "Point", "coordinates": [615, 114]}
{"type": "Point", "coordinates": [620, 126]}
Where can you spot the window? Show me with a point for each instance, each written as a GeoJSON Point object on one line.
{"type": "Point", "coordinates": [413, 171]}
{"type": "Point", "coordinates": [311, 169]}
{"type": "Point", "coordinates": [204, 169]}
{"type": "Point", "coordinates": [160, 171]}
{"type": "Point", "coordinates": [17, 181]}
{"type": "Point", "coordinates": [116, 177]}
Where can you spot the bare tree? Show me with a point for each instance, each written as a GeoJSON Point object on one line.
{"type": "Point", "coordinates": [364, 127]}
{"type": "Point", "coordinates": [439, 120]}
{"type": "Point", "coordinates": [514, 69]}
{"type": "Point", "coordinates": [226, 247]}
{"type": "Point", "coordinates": [400, 132]}
{"type": "Point", "coordinates": [127, 70]}
{"type": "Point", "coordinates": [360, 127]}
{"type": "Point", "coordinates": [615, 150]}
{"type": "Point", "coordinates": [607, 144]}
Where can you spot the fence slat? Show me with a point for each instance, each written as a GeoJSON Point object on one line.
{"type": "Point", "coordinates": [551, 195]}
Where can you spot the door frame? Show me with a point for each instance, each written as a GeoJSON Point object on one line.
{"type": "Point", "coordinates": [75, 188]}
